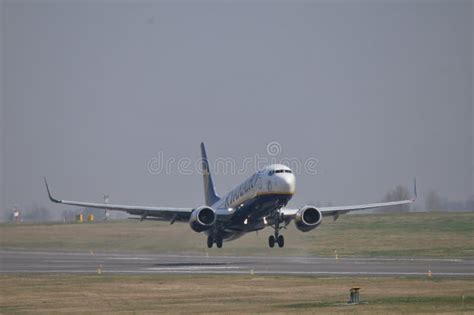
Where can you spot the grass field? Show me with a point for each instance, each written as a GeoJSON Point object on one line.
{"type": "Point", "coordinates": [447, 235]}
{"type": "Point", "coordinates": [231, 294]}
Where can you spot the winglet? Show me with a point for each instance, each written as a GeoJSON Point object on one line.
{"type": "Point", "coordinates": [49, 193]}
{"type": "Point", "coordinates": [414, 190]}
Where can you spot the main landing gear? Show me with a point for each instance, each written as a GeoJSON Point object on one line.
{"type": "Point", "coordinates": [277, 238]}
{"type": "Point", "coordinates": [211, 240]}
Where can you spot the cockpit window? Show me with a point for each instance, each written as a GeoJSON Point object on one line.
{"type": "Point", "coordinates": [270, 173]}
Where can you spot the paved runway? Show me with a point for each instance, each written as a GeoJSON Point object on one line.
{"type": "Point", "coordinates": [88, 263]}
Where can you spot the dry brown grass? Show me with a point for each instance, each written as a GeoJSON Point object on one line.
{"type": "Point", "coordinates": [412, 234]}
{"type": "Point", "coordinates": [230, 294]}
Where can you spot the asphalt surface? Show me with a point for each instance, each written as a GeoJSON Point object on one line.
{"type": "Point", "coordinates": [90, 263]}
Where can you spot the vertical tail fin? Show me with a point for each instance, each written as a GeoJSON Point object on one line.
{"type": "Point", "coordinates": [209, 190]}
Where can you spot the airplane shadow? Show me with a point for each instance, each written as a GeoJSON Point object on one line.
{"type": "Point", "coordinates": [191, 264]}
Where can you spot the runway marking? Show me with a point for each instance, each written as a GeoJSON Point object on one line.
{"type": "Point", "coordinates": [192, 268]}
{"type": "Point", "coordinates": [276, 272]}
{"type": "Point", "coordinates": [131, 258]}
{"type": "Point", "coordinates": [73, 261]}
{"type": "Point", "coordinates": [292, 258]}
{"type": "Point", "coordinates": [368, 273]}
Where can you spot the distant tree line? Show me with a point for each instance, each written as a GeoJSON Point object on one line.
{"type": "Point", "coordinates": [433, 202]}
{"type": "Point", "coordinates": [399, 193]}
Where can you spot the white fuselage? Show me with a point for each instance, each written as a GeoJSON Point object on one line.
{"type": "Point", "coordinates": [273, 180]}
{"type": "Point", "coordinates": [256, 198]}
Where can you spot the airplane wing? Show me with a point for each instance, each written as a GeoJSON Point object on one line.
{"type": "Point", "coordinates": [164, 213]}
{"type": "Point", "coordinates": [334, 211]}
{"type": "Point", "coordinates": [338, 210]}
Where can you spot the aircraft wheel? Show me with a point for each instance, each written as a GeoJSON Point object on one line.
{"type": "Point", "coordinates": [271, 241]}
{"type": "Point", "coordinates": [219, 242]}
{"type": "Point", "coordinates": [210, 241]}
{"type": "Point", "coordinates": [281, 241]}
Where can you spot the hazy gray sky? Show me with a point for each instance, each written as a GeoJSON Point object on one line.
{"type": "Point", "coordinates": [378, 92]}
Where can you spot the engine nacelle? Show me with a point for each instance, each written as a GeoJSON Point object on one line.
{"type": "Point", "coordinates": [202, 219]}
{"type": "Point", "coordinates": [308, 218]}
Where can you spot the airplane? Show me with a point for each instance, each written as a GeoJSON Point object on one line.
{"type": "Point", "coordinates": [258, 202]}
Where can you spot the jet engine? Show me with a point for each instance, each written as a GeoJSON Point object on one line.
{"type": "Point", "coordinates": [202, 219]}
{"type": "Point", "coordinates": [308, 218]}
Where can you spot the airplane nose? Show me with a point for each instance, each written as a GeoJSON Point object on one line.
{"type": "Point", "coordinates": [286, 183]}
